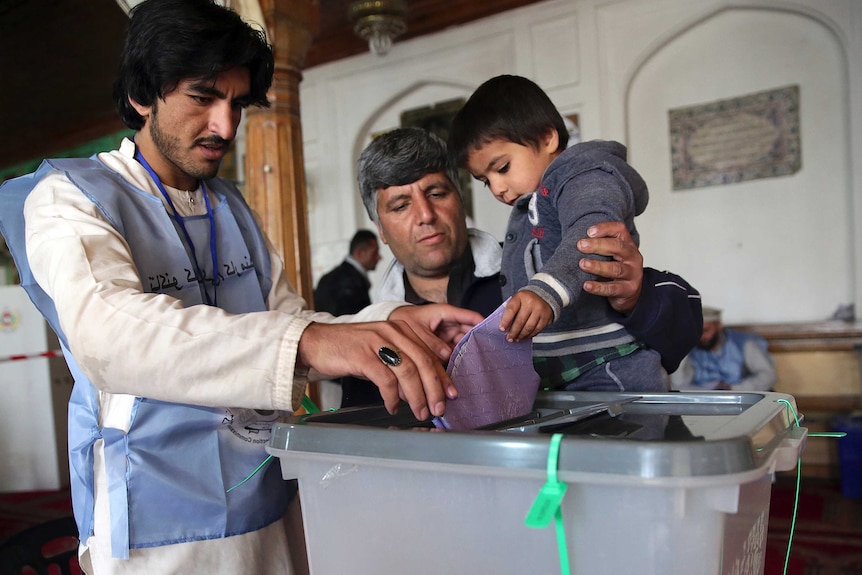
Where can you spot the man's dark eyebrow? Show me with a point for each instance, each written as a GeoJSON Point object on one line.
{"type": "Point", "coordinates": [207, 89]}
{"type": "Point", "coordinates": [437, 185]}
{"type": "Point", "coordinates": [395, 199]}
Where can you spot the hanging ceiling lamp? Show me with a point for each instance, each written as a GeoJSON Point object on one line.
{"type": "Point", "coordinates": [378, 22]}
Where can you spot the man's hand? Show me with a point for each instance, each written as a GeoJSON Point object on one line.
{"type": "Point", "coordinates": [525, 315]}
{"type": "Point", "coordinates": [625, 272]}
{"type": "Point", "coordinates": [352, 349]}
{"type": "Point", "coordinates": [444, 323]}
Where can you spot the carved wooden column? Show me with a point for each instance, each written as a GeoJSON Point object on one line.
{"type": "Point", "coordinates": [274, 163]}
{"type": "Point", "coordinates": [275, 167]}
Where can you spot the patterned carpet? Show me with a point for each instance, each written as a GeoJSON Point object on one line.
{"type": "Point", "coordinates": [827, 539]}
{"type": "Point", "coordinates": [19, 511]}
{"type": "Point", "coordinates": [37, 530]}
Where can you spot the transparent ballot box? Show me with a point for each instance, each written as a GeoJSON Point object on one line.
{"type": "Point", "coordinates": [656, 484]}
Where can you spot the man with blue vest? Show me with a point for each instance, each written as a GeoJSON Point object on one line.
{"type": "Point", "coordinates": [177, 321]}
{"type": "Point", "coordinates": [726, 359]}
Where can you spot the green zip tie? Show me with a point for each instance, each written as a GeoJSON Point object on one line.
{"type": "Point", "coordinates": [250, 475]}
{"type": "Point", "coordinates": [309, 405]}
{"type": "Point", "coordinates": [310, 408]}
{"type": "Point", "coordinates": [789, 406]}
{"type": "Point", "coordinates": [547, 504]}
{"type": "Point", "coordinates": [833, 434]}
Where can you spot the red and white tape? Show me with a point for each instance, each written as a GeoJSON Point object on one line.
{"type": "Point", "coordinates": [19, 357]}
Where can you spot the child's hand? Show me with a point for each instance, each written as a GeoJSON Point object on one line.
{"type": "Point", "coordinates": [525, 315]}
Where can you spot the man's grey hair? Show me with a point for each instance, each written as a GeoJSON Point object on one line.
{"type": "Point", "coordinates": [398, 158]}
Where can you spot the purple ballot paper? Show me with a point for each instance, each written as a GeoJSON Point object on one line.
{"type": "Point", "coordinates": [495, 378]}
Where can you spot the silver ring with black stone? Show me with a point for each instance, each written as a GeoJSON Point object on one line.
{"type": "Point", "coordinates": [389, 356]}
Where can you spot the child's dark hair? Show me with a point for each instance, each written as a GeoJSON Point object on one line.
{"type": "Point", "coordinates": [509, 108]}
{"type": "Point", "coordinates": [172, 40]}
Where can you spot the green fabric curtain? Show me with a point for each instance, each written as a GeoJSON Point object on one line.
{"type": "Point", "coordinates": [103, 144]}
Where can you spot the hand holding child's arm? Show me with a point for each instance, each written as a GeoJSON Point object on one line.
{"type": "Point", "coordinates": [623, 274]}
{"type": "Point", "coordinates": [525, 315]}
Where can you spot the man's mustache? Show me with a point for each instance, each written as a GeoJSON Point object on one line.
{"type": "Point", "coordinates": [216, 141]}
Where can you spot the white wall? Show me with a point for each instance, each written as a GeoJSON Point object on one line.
{"type": "Point", "coordinates": [750, 241]}
{"type": "Point", "coordinates": [780, 249]}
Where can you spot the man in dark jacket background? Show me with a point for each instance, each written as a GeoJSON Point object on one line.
{"type": "Point", "coordinates": [345, 290]}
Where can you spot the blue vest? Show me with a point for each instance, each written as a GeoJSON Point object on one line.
{"type": "Point", "coordinates": [726, 364]}
{"type": "Point", "coordinates": [168, 476]}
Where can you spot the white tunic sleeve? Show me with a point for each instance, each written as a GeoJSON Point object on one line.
{"type": "Point", "coordinates": [131, 342]}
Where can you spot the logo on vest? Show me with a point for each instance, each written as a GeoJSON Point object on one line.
{"type": "Point", "coordinates": [251, 425]}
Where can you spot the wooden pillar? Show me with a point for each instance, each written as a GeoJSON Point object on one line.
{"type": "Point", "coordinates": [275, 165]}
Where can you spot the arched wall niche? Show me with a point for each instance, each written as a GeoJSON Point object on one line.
{"type": "Point", "coordinates": [756, 272]}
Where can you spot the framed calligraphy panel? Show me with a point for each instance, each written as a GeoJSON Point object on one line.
{"type": "Point", "coordinates": [728, 141]}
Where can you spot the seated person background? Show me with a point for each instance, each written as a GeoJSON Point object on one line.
{"type": "Point", "coordinates": [726, 359]}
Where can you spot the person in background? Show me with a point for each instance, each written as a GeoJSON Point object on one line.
{"type": "Point", "coordinates": [174, 313]}
{"type": "Point", "coordinates": [410, 191]}
{"type": "Point", "coordinates": [345, 290]}
{"type": "Point", "coordinates": [726, 359]}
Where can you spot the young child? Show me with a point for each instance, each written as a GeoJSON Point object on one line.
{"type": "Point", "coordinates": [510, 136]}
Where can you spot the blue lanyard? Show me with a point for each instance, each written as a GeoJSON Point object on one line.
{"type": "Point", "coordinates": [179, 220]}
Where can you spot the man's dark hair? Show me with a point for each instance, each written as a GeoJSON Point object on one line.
{"type": "Point", "coordinates": [361, 239]}
{"type": "Point", "coordinates": [398, 158]}
{"type": "Point", "coordinates": [168, 41]}
{"type": "Point", "coordinates": [509, 108]}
